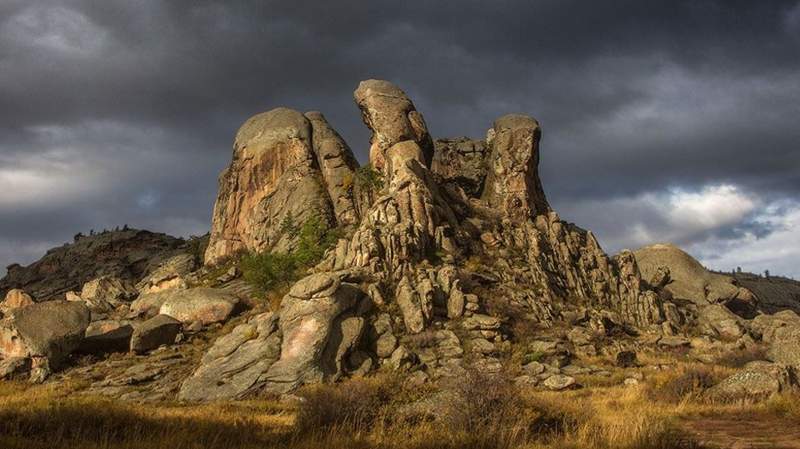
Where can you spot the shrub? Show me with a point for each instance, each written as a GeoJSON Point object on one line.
{"type": "Point", "coordinates": [352, 406]}
{"type": "Point", "coordinates": [267, 271]}
{"type": "Point", "coordinates": [740, 357]}
{"type": "Point", "coordinates": [689, 384]}
{"type": "Point", "coordinates": [368, 179]}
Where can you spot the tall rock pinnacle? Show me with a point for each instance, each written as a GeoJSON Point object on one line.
{"type": "Point", "coordinates": [512, 183]}
{"type": "Point", "coordinates": [392, 117]}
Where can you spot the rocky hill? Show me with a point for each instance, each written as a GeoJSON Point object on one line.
{"type": "Point", "coordinates": [127, 254]}
{"type": "Point", "coordinates": [447, 259]}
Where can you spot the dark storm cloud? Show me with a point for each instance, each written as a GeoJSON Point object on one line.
{"type": "Point", "coordinates": [123, 111]}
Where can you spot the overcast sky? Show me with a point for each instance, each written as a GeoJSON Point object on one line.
{"type": "Point", "coordinates": [663, 121]}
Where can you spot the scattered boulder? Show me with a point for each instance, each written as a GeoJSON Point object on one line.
{"type": "Point", "coordinates": [157, 331]}
{"type": "Point", "coordinates": [15, 299]}
{"type": "Point", "coordinates": [558, 382]}
{"type": "Point", "coordinates": [206, 305]}
{"type": "Point", "coordinates": [627, 359]}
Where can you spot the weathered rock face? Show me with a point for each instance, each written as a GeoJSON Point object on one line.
{"type": "Point", "coordinates": [462, 162]}
{"type": "Point", "coordinates": [512, 184]}
{"type": "Point", "coordinates": [392, 117]}
{"type": "Point", "coordinates": [45, 332]}
{"type": "Point", "coordinates": [128, 255]}
{"type": "Point", "coordinates": [338, 165]}
{"type": "Point", "coordinates": [274, 178]}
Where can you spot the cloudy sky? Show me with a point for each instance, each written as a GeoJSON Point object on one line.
{"type": "Point", "coordinates": [663, 121]}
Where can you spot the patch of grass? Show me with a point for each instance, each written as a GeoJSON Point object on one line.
{"type": "Point", "coordinates": [740, 357]}
{"type": "Point", "coordinates": [688, 384]}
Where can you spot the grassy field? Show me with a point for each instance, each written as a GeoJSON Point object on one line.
{"type": "Point", "coordinates": [380, 412]}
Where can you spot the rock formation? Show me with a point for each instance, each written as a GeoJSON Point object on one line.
{"type": "Point", "coordinates": [450, 260]}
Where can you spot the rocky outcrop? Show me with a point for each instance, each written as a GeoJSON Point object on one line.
{"type": "Point", "coordinates": [273, 182]}
{"type": "Point", "coordinates": [308, 341]}
{"type": "Point", "coordinates": [128, 255]}
{"type": "Point", "coordinates": [104, 294]}
{"type": "Point", "coordinates": [169, 275]}
{"type": "Point", "coordinates": [392, 117]}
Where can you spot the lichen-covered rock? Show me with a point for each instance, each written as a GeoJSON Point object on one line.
{"type": "Point", "coordinates": [392, 117]}
{"type": "Point", "coordinates": [274, 179]}
{"type": "Point", "coordinates": [756, 381]}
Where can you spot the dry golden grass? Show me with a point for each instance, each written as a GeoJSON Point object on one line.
{"type": "Point", "coordinates": [378, 412]}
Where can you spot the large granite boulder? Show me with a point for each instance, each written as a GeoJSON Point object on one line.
{"type": "Point", "coordinates": [392, 117]}
{"type": "Point", "coordinates": [206, 305]}
{"type": "Point", "coordinates": [273, 181]}
{"type": "Point", "coordinates": [106, 293]}
{"type": "Point", "coordinates": [44, 332]}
